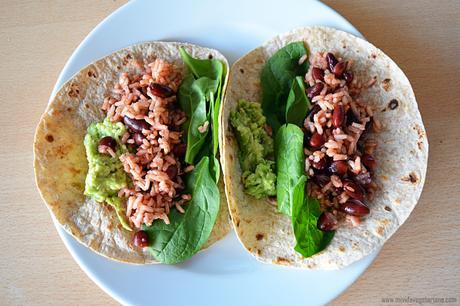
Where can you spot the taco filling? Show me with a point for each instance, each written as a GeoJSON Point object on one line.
{"type": "Point", "coordinates": [308, 143]}
{"type": "Point", "coordinates": [160, 133]}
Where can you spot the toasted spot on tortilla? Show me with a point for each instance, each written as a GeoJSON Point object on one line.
{"type": "Point", "coordinates": [393, 104]}
{"type": "Point", "coordinates": [282, 261]}
{"type": "Point", "coordinates": [387, 208]}
{"type": "Point", "coordinates": [49, 138]}
{"type": "Point", "coordinates": [247, 220]}
{"type": "Point", "coordinates": [127, 58]}
{"type": "Point", "coordinates": [74, 91]}
{"type": "Point", "coordinates": [384, 177]}
{"type": "Point", "coordinates": [342, 248]}
{"type": "Point", "coordinates": [241, 70]}
{"type": "Point", "coordinates": [411, 177]}
{"type": "Point", "coordinates": [373, 55]}
{"type": "Point", "coordinates": [259, 236]}
{"type": "Point", "coordinates": [398, 201]}
{"type": "Point", "coordinates": [386, 84]}
{"type": "Point", "coordinates": [230, 156]}
{"type": "Point", "coordinates": [86, 105]}
{"type": "Point", "coordinates": [92, 74]}
{"type": "Point", "coordinates": [210, 56]}
{"type": "Point", "coordinates": [380, 230]}
{"type": "Point", "coordinates": [74, 170]}
{"type": "Point", "coordinates": [259, 252]}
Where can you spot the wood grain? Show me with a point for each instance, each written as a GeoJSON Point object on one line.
{"type": "Point", "coordinates": [420, 260]}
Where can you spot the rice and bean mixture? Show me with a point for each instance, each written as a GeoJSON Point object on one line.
{"type": "Point", "coordinates": [146, 103]}
{"type": "Point", "coordinates": [338, 152]}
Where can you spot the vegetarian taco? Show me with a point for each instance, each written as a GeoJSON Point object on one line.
{"type": "Point", "coordinates": [323, 148]}
{"type": "Point", "coordinates": [126, 153]}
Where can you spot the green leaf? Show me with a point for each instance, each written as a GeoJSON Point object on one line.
{"type": "Point", "coordinates": [210, 68]}
{"type": "Point", "coordinates": [276, 80]}
{"type": "Point", "coordinates": [185, 235]}
{"type": "Point", "coordinates": [297, 104]}
{"type": "Point", "coordinates": [305, 213]}
{"type": "Point", "coordinates": [194, 97]}
{"type": "Point", "coordinates": [289, 163]}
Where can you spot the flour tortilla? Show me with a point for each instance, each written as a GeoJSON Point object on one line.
{"type": "Point", "coordinates": [60, 160]}
{"type": "Point", "coordinates": [402, 155]}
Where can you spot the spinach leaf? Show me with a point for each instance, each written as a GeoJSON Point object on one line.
{"type": "Point", "coordinates": [305, 213]}
{"type": "Point", "coordinates": [195, 98]}
{"type": "Point", "coordinates": [289, 163]}
{"type": "Point", "coordinates": [204, 82]}
{"type": "Point", "coordinates": [185, 235]}
{"type": "Point", "coordinates": [276, 80]}
{"type": "Point", "coordinates": [297, 104]}
{"type": "Point", "coordinates": [210, 68]}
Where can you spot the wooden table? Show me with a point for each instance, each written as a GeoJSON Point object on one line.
{"type": "Point", "coordinates": [421, 260]}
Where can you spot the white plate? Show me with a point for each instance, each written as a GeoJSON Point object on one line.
{"type": "Point", "coordinates": [225, 274]}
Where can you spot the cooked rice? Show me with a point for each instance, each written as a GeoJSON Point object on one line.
{"type": "Point", "coordinates": [154, 192]}
{"type": "Point", "coordinates": [340, 144]}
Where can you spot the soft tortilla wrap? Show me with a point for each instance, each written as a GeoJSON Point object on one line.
{"type": "Point", "coordinates": [60, 160]}
{"type": "Point", "coordinates": [402, 155]}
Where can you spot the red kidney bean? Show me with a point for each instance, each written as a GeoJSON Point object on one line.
{"type": "Point", "coordinates": [138, 138]}
{"type": "Point", "coordinates": [141, 239]}
{"type": "Point", "coordinates": [354, 208]}
{"type": "Point", "coordinates": [316, 140]}
{"type": "Point", "coordinates": [160, 90]}
{"type": "Point", "coordinates": [353, 190]}
{"type": "Point", "coordinates": [331, 61]}
{"type": "Point", "coordinates": [315, 90]}
{"type": "Point", "coordinates": [108, 142]}
{"type": "Point", "coordinates": [321, 180]}
{"type": "Point", "coordinates": [338, 116]}
{"type": "Point", "coordinates": [317, 74]}
{"type": "Point", "coordinates": [348, 76]}
{"type": "Point", "coordinates": [339, 167]}
{"type": "Point", "coordinates": [369, 161]}
{"type": "Point", "coordinates": [339, 68]}
{"type": "Point", "coordinates": [136, 125]}
{"type": "Point", "coordinates": [180, 149]}
{"type": "Point", "coordinates": [313, 110]}
{"type": "Point", "coordinates": [171, 171]}
{"type": "Point", "coordinates": [327, 222]}
{"type": "Point", "coordinates": [321, 164]}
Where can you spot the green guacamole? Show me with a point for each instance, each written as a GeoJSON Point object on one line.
{"type": "Point", "coordinates": [256, 146]}
{"type": "Point", "coordinates": [105, 173]}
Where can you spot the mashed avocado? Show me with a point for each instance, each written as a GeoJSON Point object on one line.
{"type": "Point", "coordinates": [105, 173]}
{"type": "Point", "coordinates": [256, 146]}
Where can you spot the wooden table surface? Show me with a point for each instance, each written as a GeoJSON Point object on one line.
{"type": "Point", "coordinates": [420, 260]}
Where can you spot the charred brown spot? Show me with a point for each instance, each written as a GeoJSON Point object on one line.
{"type": "Point", "coordinates": [69, 109]}
{"type": "Point", "coordinates": [241, 70]}
{"type": "Point", "coordinates": [74, 170]}
{"type": "Point", "coordinates": [411, 177]}
{"type": "Point", "coordinates": [393, 104]}
{"type": "Point", "coordinates": [259, 236]}
{"type": "Point", "coordinates": [230, 156]}
{"type": "Point", "coordinates": [74, 91]}
{"type": "Point", "coordinates": [92, 74]}
{"type": "Point", "coordinates": [87, 105]}
{"type": "Point", "coordinates": [380, 230]}
{"type": "Point", "coordinates": [109, 207]}
{"type": "Point", "coordinates": [344, 46]}
{"type": "Point", "coordinates": [49, 138]}
{"type": "Point", "coordinates": [127, 58]}
{"type": "Point", "coordinates": [398, 201]}
{"type": "Point", "coordinates": [386, 84]}
{"type": "Point", "coordinates": [237, 223]}
{"type": "Point", "coordinates": [210, 56]}
{"type": "Point", "coordinates": [373, 56]}
{"type": "Point", "coordinates": [342, 249]}
{"type": "Point", "coordinates": [387, 208]}
{"type": "Point", "coordinates": [282, 261]}
{"type": "Point", "coordinates": [259, 252]}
